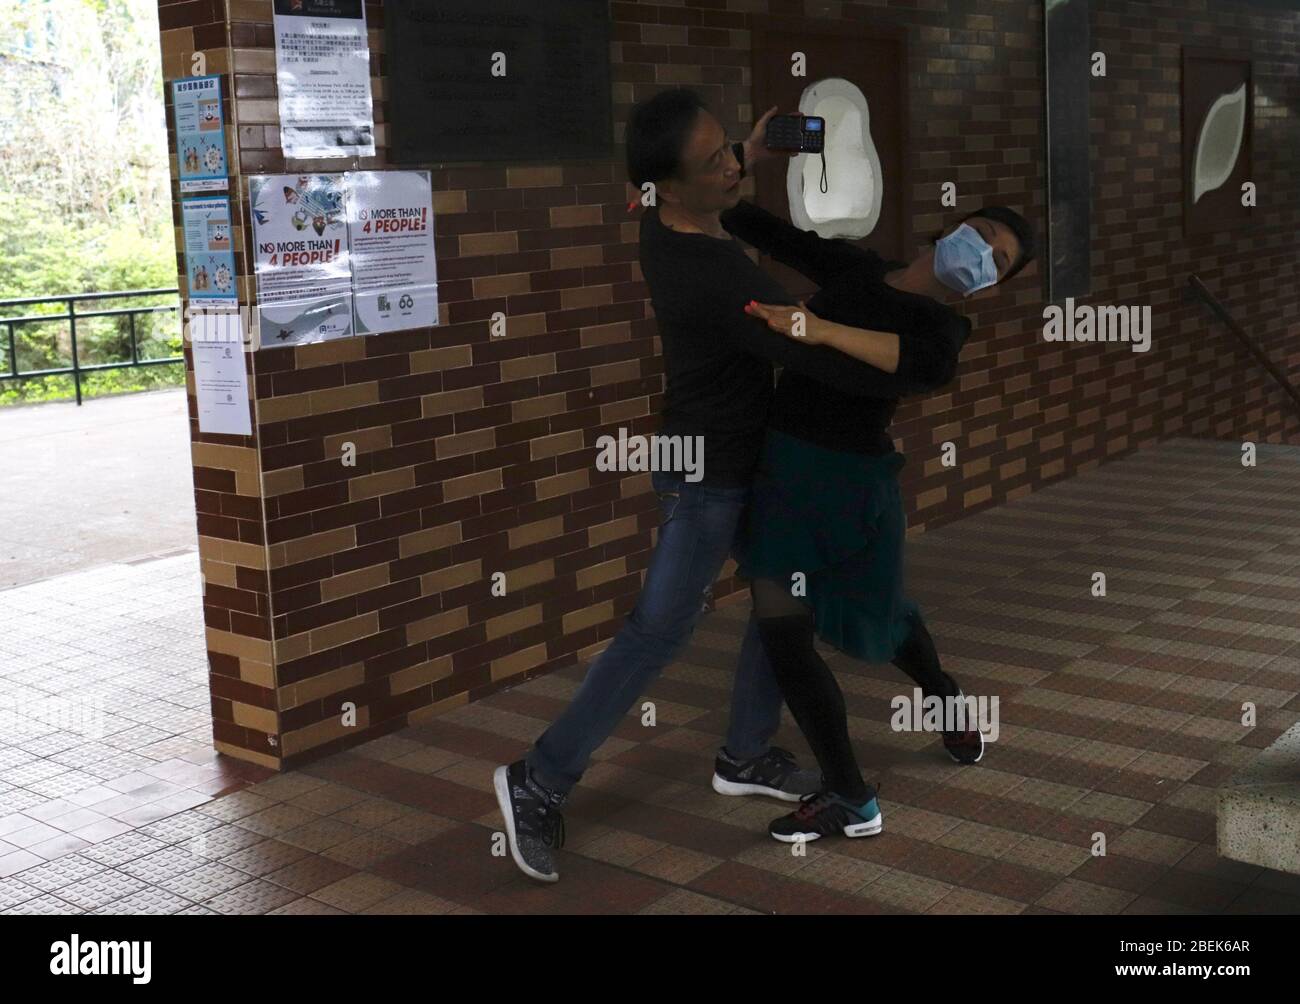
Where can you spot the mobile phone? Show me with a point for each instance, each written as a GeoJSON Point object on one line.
{"type": "Point", "coordinates": [802, 133]}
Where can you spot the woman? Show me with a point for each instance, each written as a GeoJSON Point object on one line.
{"type": "Point", "coordinates": [823, 545]}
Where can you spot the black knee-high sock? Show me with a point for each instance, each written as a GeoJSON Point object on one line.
{"type": "Point", "coordinates": [918, 658]}
{"type": "Point", "coordinates": [814, 699]}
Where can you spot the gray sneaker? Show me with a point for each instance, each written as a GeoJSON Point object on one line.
{"type": "Point", "coordinates": [775, 774]}
{"type": "Point", "coordinates": [533, 822]}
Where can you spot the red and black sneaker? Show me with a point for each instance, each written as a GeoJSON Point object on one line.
{"type": "Point", "coordinates": [824, 812]}
{"type": "Point", "coordinates": [964, 746]}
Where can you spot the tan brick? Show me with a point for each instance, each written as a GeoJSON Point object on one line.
{"type": "Point", "coordinates": [553, 446]}
{"type": "Point", "coordinates": [420, 675]}
{"type": "Point", "coordinates": [471, 484]}
{"type": "Point", "coordinates": [603, 533]}
{"type": "Point", "coordinates": [563, 484]}
{"type": "Point", "coordinates": [370, 486]}
{"type": "Point", "coordinates": [430, 539]}
{"type": "Point", "coordinates": [628, 369]}
{"type": "Point", "coordinates": [258, 649]}
{"type": "Point", "coordinates": [362, 440]}
{"type": "Point", "coordinates": [334, 635]}
{"type": "Point", "coordinates": [538, 407]}
{"type": "Point", "coordinates": [252, 717]}
{"type": "Point", "coordinates": [606, 571]}
{"type": "Point", "coordinates": [450, 402]}
{"type": "Point", "coordinates": [351, 583]}
{"type": "Point", "coordinates": [577, 216]}
{"type": "Point", "coordinates": [281, 409]}
{"type": "Point", "coordinates": [515, 620]}
{"type": "Point", "coordinates": [532, 533]}
{"type": "Point", "coordinates": [622, 411]}
{"type": "Point", "coordinates": [282, 481]}
{"type": "Point", "coordinates": [518, 662]}
{"type": "Point", "coordinates": [326, 685]}
{"type": "Point", "coordinates": [432, 583]}
{"type": "Point", "coordinates": [605, 334]}
{"type": "Point", "coordinates": [337, 350]}
{"type": "Point", "coordinates": [511, 284]}
{"type": "Point", "coordinates": [445, 357]}
{"type": "Point", "coordinates": [437, 625]}
{"type": "Point", "coordinates": [534, 177]}
{"type": "Point", "coordinates": [481, 244]}
{"type": "Point", "coordinates": [475, 441]}
{"type": "Point", "coordinates": [586, 296]}
{"type": "Point", "coordinates": [527, 366]}
{"type": "Point", "coordinates": [322, 732]}
{"type": "Point", "coordinates": [354, 395]}
{"type": "Point", "coordinates": [291, 552]}
{"type": "Point", "coordinates": [530, 575]}
{"type": "Point", "coordinates": [576, 620]}
{"type": "Point", "coordinates": [588, 254]}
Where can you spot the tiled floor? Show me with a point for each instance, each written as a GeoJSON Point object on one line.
{"type": "Point", "coordinates": [1119, 716]}
{"type": "Point", "coordinates": [104, 709]}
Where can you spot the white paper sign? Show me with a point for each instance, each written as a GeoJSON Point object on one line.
{"type": "Point", "coordinates": [322, 62]}
{"type": "Point", "coordinates": [390, 231]}
{"type": "Point", "coordinates": [221, 387]}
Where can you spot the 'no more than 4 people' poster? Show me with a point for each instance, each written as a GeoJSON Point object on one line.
{"type": "Point", "coordinates": [343, 254]}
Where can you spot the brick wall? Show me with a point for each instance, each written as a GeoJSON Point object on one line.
{"type": "Point", "coordinates": [371, 584]}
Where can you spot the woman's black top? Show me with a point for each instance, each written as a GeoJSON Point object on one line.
{"type": "Point", "coordinates": [854, 293]}
{"type": "Point", "coordinates": [718, 360]}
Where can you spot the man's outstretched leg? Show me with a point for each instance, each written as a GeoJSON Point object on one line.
{"type": "Point", "coordinates": [697, 528]}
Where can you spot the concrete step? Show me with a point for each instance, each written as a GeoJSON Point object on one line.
{"type": "Point", "coordinates": [1259, 809]}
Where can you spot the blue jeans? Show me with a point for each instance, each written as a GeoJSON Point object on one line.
{"type": "Point", "coordinates": [697, 529]}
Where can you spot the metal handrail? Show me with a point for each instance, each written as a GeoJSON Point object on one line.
{"type": "Point", "coordinates": [1221, 312]}
{"type": "Point", "coordinates": [72, 317]}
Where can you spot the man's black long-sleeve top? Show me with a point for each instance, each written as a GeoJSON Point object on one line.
{"type": "Point", "coordinates": [718, 360]}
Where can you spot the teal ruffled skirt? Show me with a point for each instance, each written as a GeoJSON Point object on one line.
{"type": "Point", "coordinates": [838, 518]}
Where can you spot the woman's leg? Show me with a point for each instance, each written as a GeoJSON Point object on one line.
{"type": "Point", "coordinates": [787, 628]}
{"type": "Point", "coordinates": [918, 658]}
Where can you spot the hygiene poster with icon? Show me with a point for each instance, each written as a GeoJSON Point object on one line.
{"type": "Point", "coordinates": [200, 134]}
{"type": "Point", "coordinates": [210, 269]}
{"type": "Point", "coordinates": [301, 259]}
{"type": "Point", "coordinates": [394, 269]}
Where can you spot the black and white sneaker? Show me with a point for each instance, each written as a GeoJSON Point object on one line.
{"type": "Point", "coordinates": [965, 746]}
{"type": "Point", "coordinates": [774, 774]}
{"type": "Point", "coordinates": [824, 813]}
{"type": "Point", "coordinates": [534, 825]}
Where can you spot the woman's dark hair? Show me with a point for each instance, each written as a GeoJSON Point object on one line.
{"type": "Point", "coordinates": [656, 134]}
{"type": "Point", "coordinates": [1014, 222]}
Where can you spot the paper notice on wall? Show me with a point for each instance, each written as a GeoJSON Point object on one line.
{"type": "Point", "coordinates": [394, 269]}
{"type": "Point", "coordinates": [300, 244]}
{"type": "Point", "coordinates": [322, 62]}
{"type": "Point", "coordinates": [200, 134]}
{"type": "Point", "coordinates": [212, 304]}
{"type": "Point", "coordinates": [221, 387]}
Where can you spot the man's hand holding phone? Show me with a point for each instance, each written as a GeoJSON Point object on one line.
{"type": "Point", "coordinates": [756, 150]}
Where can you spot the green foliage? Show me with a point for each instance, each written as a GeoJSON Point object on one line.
{"type": "Point", "coordinates": [85, 203]}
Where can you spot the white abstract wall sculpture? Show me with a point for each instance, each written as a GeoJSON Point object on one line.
{"type": "Point", "coordinates": [1219, 142]}
{"type": "Point", "coordinates": [850, 206]}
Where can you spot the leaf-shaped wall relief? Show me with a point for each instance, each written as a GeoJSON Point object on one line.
{"type": "Point", "coordinates": [1219, 142]}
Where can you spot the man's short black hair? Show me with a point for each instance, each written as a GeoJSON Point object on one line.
{"type": "Point", "coordinates": [657, 129]}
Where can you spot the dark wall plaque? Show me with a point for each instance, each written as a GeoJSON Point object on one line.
{"type": "Point", "coordinates": [1068, 56]}
{"type": "Point", "coordinates": [444, 104]}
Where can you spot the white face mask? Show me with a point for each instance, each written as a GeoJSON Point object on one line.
{"type": "Point", "coordinates": [964, 261]}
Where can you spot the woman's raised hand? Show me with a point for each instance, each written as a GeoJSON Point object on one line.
{"type": "Point", "coordinates": [798, 323]}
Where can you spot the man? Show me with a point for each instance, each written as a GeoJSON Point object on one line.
{"type": "Point", "coordinates": [718, 386]}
